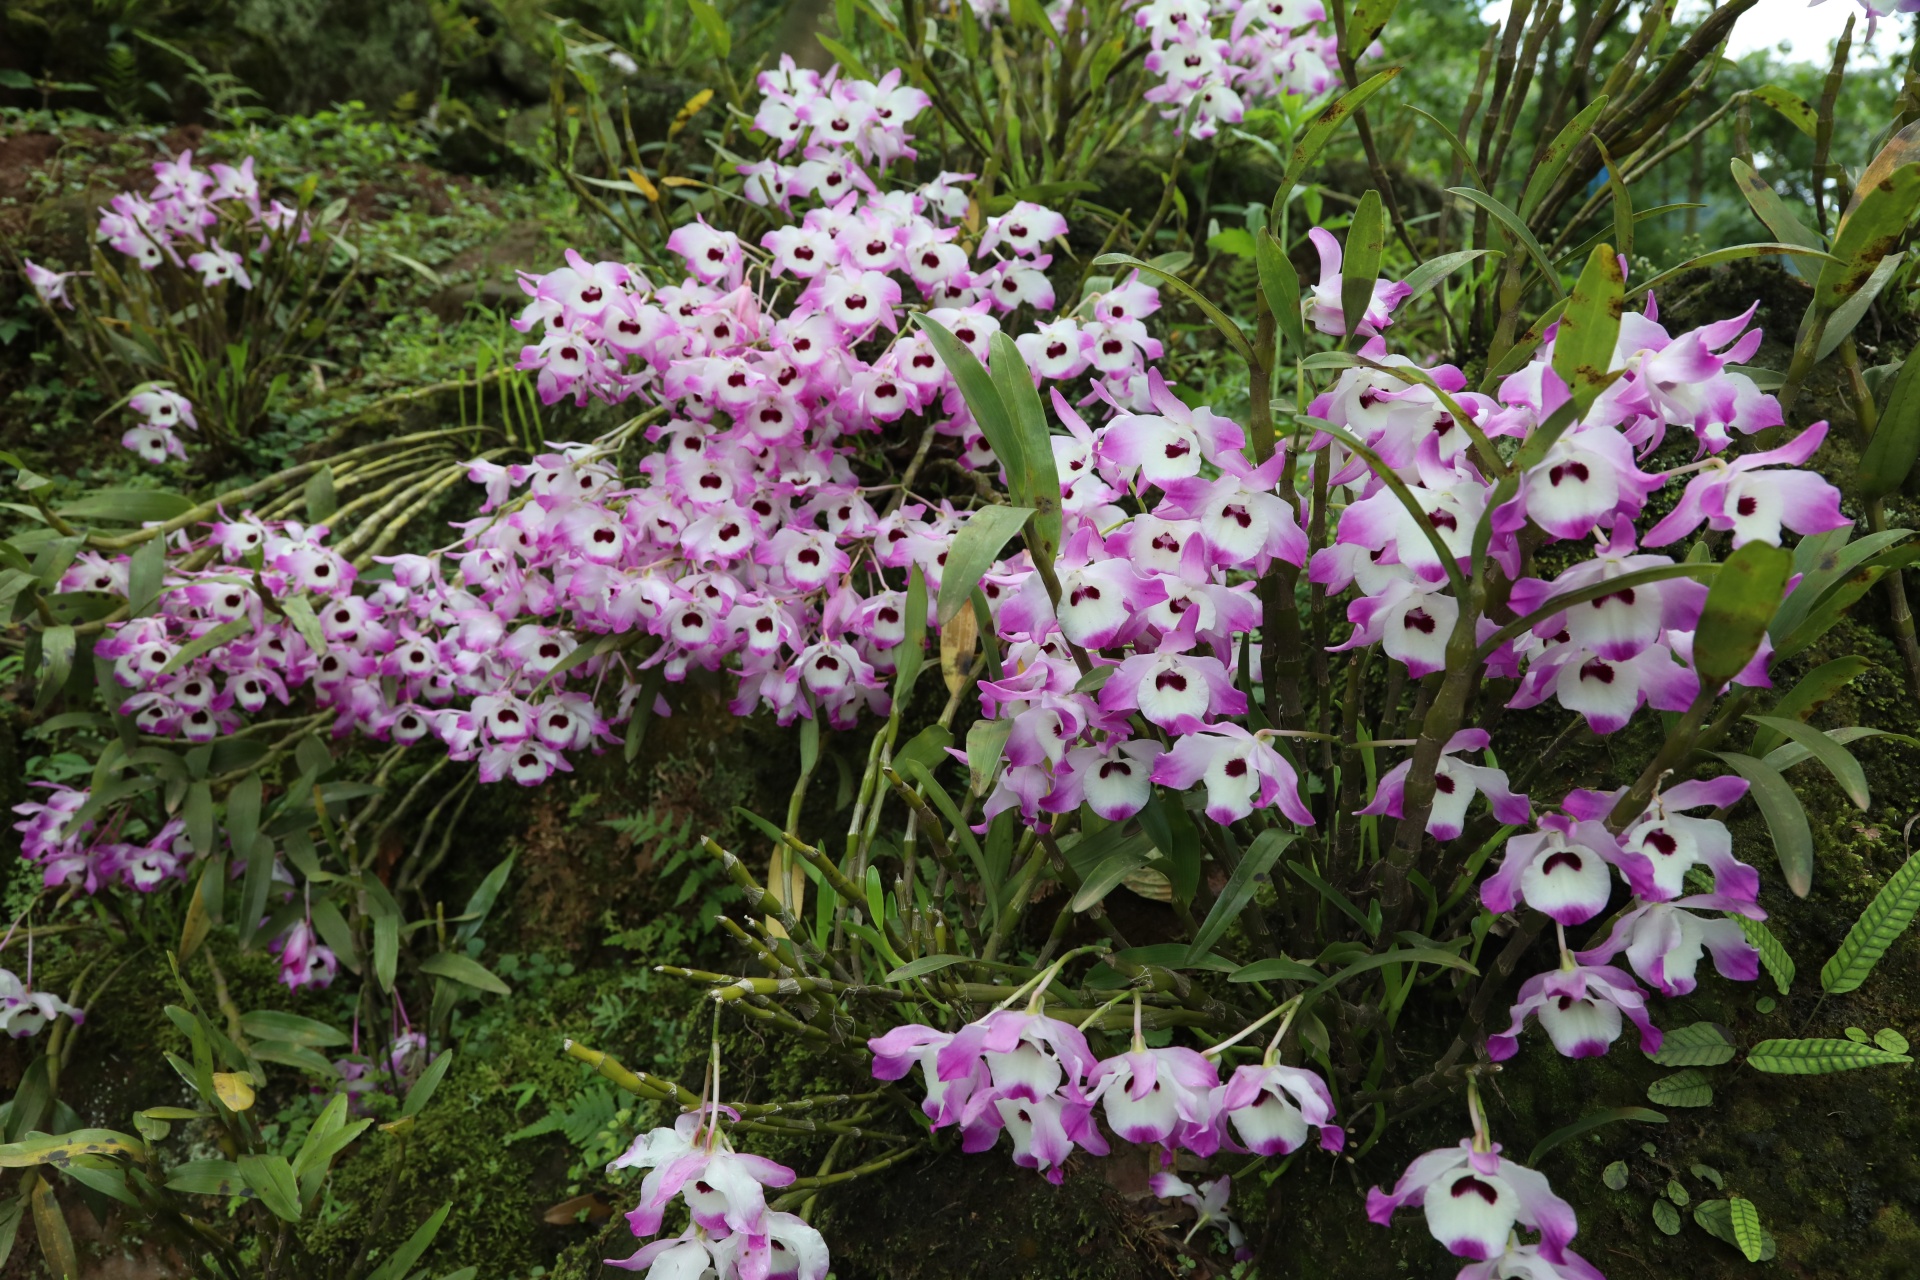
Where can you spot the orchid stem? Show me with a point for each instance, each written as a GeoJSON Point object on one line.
{"type": "Point", "coordinates": [1250, 1028]}
{"type": "Point", "coordinates": [1047, 975]}
{"type": "Point", "coordinates": [1482, 1138]}
{"type": "Point", "coordinates": [1273, 1046]}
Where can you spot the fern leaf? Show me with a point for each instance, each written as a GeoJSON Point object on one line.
{"type": "Point", "coordinates": [1819, 1057]}
{"type": "Point", "coordinates": [593, 1112]}
{"type": "Point", "coordinates": [1884, 920]}
{"type": "Point", "coordinates": [552, 1122]}
{"type": "Point", "coordinates": [1773, 954]}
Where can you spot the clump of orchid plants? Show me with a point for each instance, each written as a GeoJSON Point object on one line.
{"type": "Point", "coordinates": [1164, 627]}
{"type": "Point", "coordinates": [731, 1232]}
{"type": "Point", "coordinates": [213, 281]}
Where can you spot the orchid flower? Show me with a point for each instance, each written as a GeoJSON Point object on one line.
{"type": "Point", "coordinates": [724, 1190]}
{"type": "Point", "coordinates": [1663, 843]}
{"type": "Point", "coordinates": [786, 1247]}
{"type": "Point", "coordinates": [1474, 1197]}
{"type": "Point", "coordinates": [1684, 381]}
{"type": "Point", "coordinates": [304, 962]}
{"type": "Point", "coordinates": [1528, 1262]}
{"type": "Point", "coordinates": [49, 286]}
{"type": "Point", "coordinates": [1580, 1006]}
{"type": "Point", "coordinates": [1617, 626]}
{"type": "Point", "coordinates": [1114, 780]}
{"type": "Point", "coordinates": [1170, 444]}
{"type": "Point", "coordinates": [1561, 870]}
{"type": "Point", "coordinates": [218, 266]}
{"type": "Point", "coordinates": [1608, 692]}
{"type": "Point", "coordinates": [1036, 1066]}
{"type": "Point", "coordinates": [1587, 480]}
{"type": "Point", "coordinates": [1455, 785]}
{"type": "Point", "coordinates": [911, 1045]}
{"type": "Point", "coordinates": [24, 1012]}
{"type": "Point", "coordinates": [687, 1256]}
{"type": "Point", "coordinates": [1271, 1108]}
{"type": "Point", "coordinates": [1664, 941]}
{"type": "Point", "coordinates": [1326, 311]}
{"type": "Point", "coordinates": [1173, 688]}
{"type": "Point", "coordinates": [1209, 1203]}
{"type": "Point", "coordinates": [1411, 621]}
{"type": "Point", "coordinates": [1756, 504]}
{"type": "Point", "coordinates": [1240, 770]}
{"type": "Point", "coordinates": [1152, 1095]}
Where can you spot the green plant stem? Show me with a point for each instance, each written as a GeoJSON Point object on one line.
{"type": "Point", "coordinates": [849, 1175]}
{"type": "Point", "coordinates": [761, 901]}
{"type": "Point", "coordinates": [1899, 611]}
{"type": "Point", "coordinates": [929, 825]}
{"type": "Point", "coordinates": [1022, 894]}
{"type": "Point", "coordinates": [381, 1208]}
{"type": "Point", "coordinates": [1679, 742]}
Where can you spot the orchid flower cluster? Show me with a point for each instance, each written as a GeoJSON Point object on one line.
{"type": "Point", "coordinates": [70, 853]}
{"type": "Point", "coordinates": [179, 220]}
{"type": "Point", "coordinates": [1633, 648]}
{"type": "Point", "coordinates": [736, 547]}
{"type": "Point", "coordinates": [162, 411]}
{"type": "Point", "coordinates": [1565, 871]}
{"type": "Point", "coordinates": [1124, 678]}
{"type": "Point", "coordinates": [362, 1074]}
{"type": "Point", "coordinates": [1271, 49]}
{"type": "Point", "coordinates": [738, 544]}
{"type": "Point", "coordinates": [1035, 1078]}
{"type": "Point", "coordinates": [1162, 596]}
{"type": "Point", "coordinates": [731, 1234]}
{"type": "Point", "coordinates": [24, 1012]}
{"type": "Point", "coordinates": [1214, 57]}
{"type": "Point", "coordinates": [391, 663]}
{"type": "Point", "coordinates": [1603, 660]}
{"type": "Point", "coordinates": [747, 542]}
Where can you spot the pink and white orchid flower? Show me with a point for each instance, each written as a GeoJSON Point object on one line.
{"type": "Point", "coordinates": [1455, 784]}
{"type": "Point", "coordinates": [1580, 1006]}
{"type": "Point", "coordinates": [1325, 310]}
{"type": "Point", "coordinates": [1474, 1197]}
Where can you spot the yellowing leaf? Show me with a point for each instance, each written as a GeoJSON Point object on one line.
{"type": "Point", "coordinates": [958, 639]}
{"type": "Point", "coordinates": [1903, 148]}
{"type": "Point", "coordinates": [693, 108]}
{"type": "Point", "coordinates": [235, 1089]}
{"type": "Point", "coordinates": [194, 930]}
{"type": "Point", "coordinates": [644, 185]}
{"type": "Point", "coordinates": [50, 1226]}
